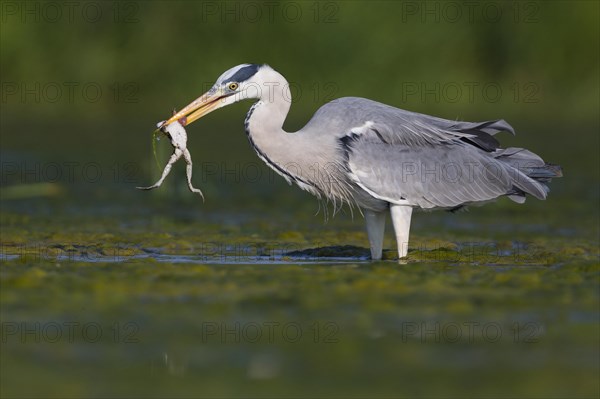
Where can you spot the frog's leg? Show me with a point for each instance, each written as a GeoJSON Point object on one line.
{"type": "Point", "coordinates": [188, 160]}
{"type": "Point", "coordinates": [176, 155]}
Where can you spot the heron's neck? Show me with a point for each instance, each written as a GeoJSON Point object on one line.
{"type": "Point", "coordinates": [264, 122]}
{"type": "Point", "coordinates": [289, 154]}
{"type": "Point", "coordinates": [267, 115]}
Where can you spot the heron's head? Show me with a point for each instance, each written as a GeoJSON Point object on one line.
{"type": "Point", "coordinates": [239, 83]}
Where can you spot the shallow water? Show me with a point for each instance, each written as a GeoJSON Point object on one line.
{"type": "Point", "coordinates": [176, 298]}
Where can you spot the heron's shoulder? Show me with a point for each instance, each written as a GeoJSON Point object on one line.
{"type": "Point", "coordinates": [357, 102]}
{"type": "Point", "coordinates": [364, 109]}
{"type": "Point", "coordinates": [343, 114]}
{"type": "Point", "coordinates": [353, 108]}
{"type": "Point", "coordinates": [347, 114]}
{"type": "Point", "coordinates": [360, 106]}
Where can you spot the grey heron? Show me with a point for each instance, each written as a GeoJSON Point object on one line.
{"type": "Point", "coordinates": [374, 156]}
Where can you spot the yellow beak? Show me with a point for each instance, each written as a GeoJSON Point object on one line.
{"type": "Point", "coordinates": [197, 109]}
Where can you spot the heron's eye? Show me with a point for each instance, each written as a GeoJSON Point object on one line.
{"type": "Point", "coordinates": [233, 86]}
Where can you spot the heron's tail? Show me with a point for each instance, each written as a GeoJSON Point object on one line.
{"type": "Point", "coordinates": [529, 172]}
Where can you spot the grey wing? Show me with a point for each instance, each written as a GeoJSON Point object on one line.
{"type": "Point", "coordinates": [408, 158]}
{"type": "Point", "coordinates": [442, 176]}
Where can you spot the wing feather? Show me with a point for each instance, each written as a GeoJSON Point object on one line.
{"type": "Point", "coordinates": [431, 170]}
{"type": "Point", "coordinates": [404, 157]}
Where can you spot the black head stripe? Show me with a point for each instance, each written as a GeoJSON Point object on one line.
{"type": "Point", "coordinates": [244, 73]}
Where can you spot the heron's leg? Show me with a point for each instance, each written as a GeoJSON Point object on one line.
{"type": "Point", "coordinates": [375, 229]}
{"type": "Point", "coordinates": [188, 170]}
{"type": "Point", "coordinates": [176, 155]}
{"type": "Point", "coordinates": [401, 215]}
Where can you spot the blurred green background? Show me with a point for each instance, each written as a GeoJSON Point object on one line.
{"type": "Point", "coordinates": [87, 82]}
{"type": "Point", "coordinates": [83, 84]}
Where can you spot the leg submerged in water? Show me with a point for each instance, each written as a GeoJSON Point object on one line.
{"type": "Point", "coordinates": [375, 229]}
{"type": "Point", "coordinates": [401, 215]}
